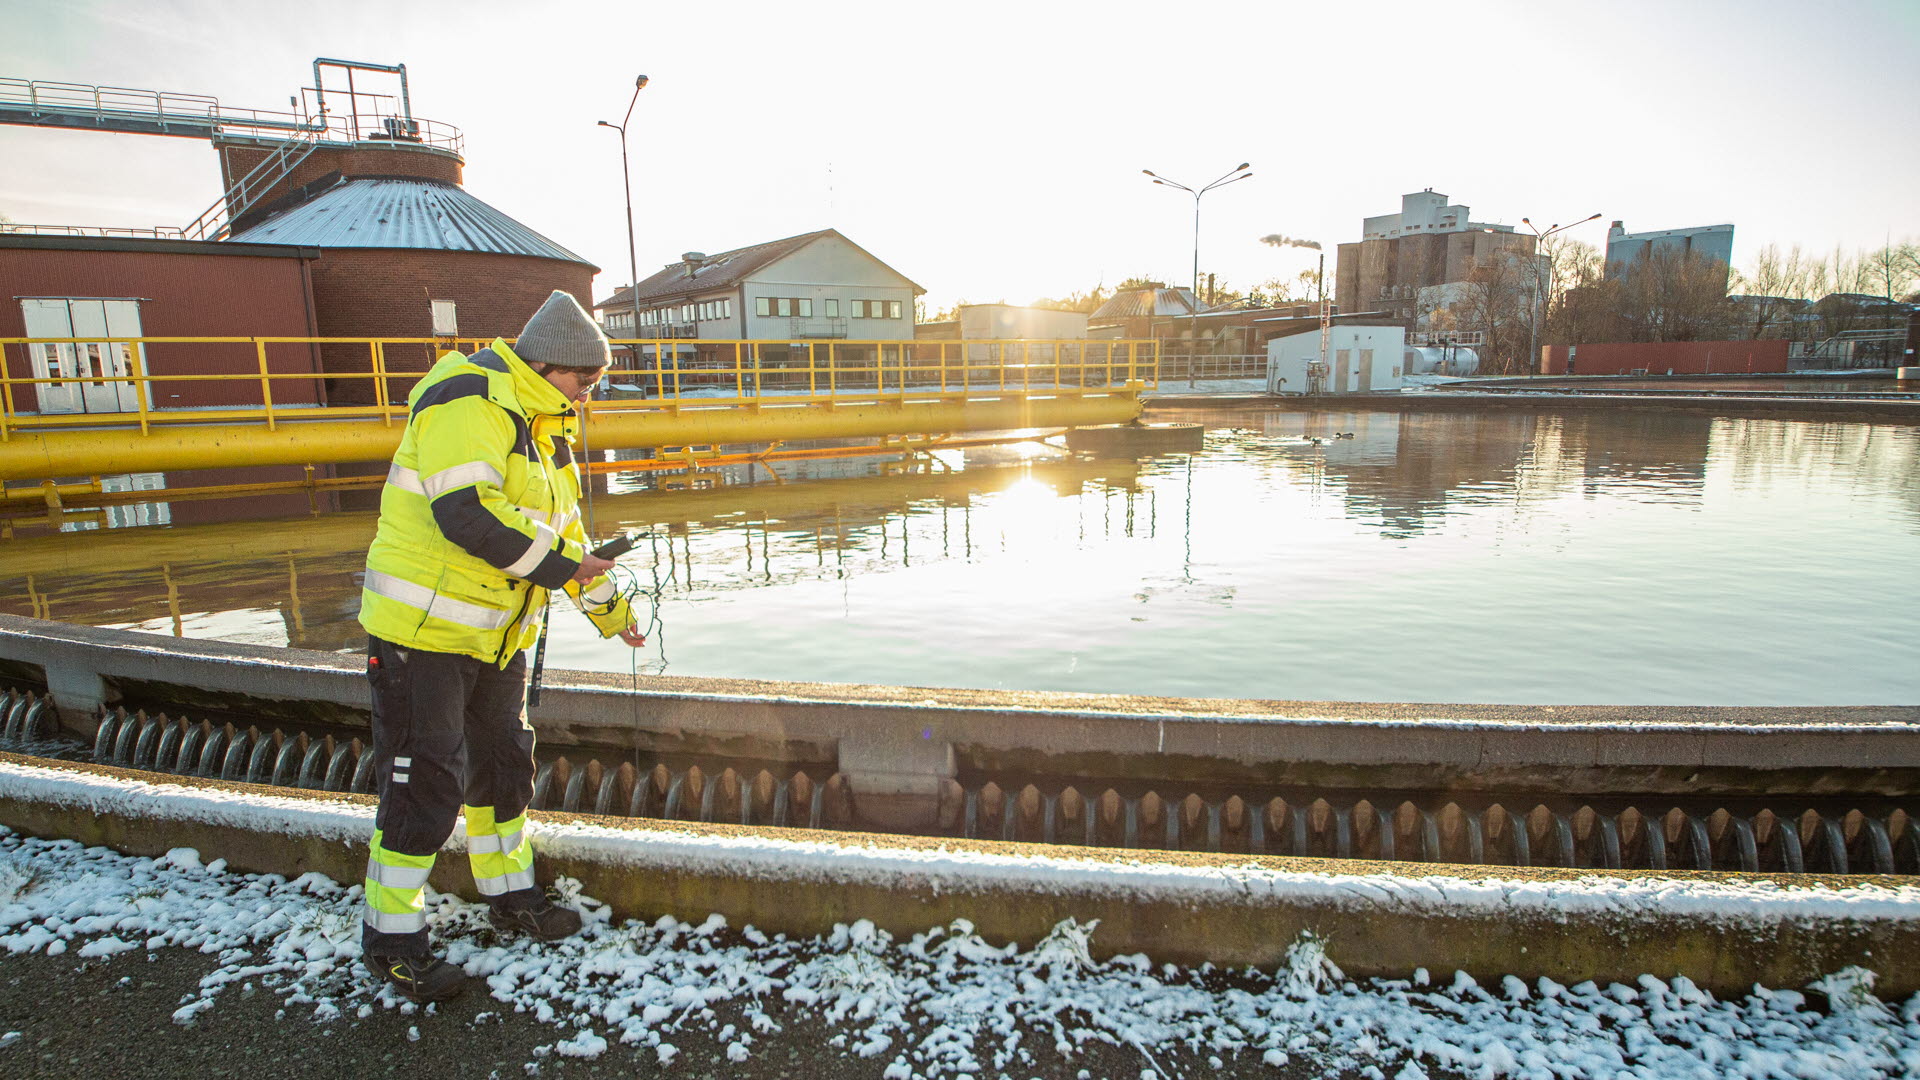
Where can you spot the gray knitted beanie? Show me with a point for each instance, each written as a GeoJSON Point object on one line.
{"type": "Point", "coordinates": [562, 333]}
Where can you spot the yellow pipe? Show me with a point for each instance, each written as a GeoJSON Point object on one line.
{"type": "Point", "coordinates": [33, 454]}
{"type": "Point", "coordinates": [861, 498]}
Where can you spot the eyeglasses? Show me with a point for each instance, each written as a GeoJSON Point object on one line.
{"type": "Point", "coordinates": [584, 380]}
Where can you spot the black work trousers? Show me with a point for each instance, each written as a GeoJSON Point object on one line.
{"type": "Point", "coordinates": [460, 724]}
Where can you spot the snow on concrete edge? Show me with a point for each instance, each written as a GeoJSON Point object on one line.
{"type": "Point", "coordinates": [958, 871]}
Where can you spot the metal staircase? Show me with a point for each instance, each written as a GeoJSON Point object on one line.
{"type": "Point", "coordinates": [217, 220]}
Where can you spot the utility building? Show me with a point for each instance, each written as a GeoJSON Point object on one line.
{"type": "Point", "coordinates": [1359, 358]}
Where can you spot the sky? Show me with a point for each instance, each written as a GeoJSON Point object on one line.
{"type": "Point", "coordinates": [993, 151]}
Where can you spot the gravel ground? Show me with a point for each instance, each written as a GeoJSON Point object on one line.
{"type": "Point", "coordinates": [111, 1019]}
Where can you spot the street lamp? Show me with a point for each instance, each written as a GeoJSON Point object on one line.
{"type": "Point", "coordinates": [1238, 172]}
{"type": "Point", "coordinates": [1533, 350]}
{"type": "Point", "coordinates": [633, 263]}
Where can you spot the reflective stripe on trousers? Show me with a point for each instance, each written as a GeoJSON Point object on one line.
{"type": "Point", "coordinates": [501, 854]}
{"type": "Point", "coordinates": [396, 886]}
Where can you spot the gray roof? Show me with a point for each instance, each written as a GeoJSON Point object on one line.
{"type": "Point", "coordinates": [396, 212]}
{"type": "Point", "coordinates": [724, 270]}
{"type": "Point", "coordinates": [1142, 303]}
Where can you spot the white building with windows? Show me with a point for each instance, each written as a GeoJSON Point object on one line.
{"type": "Point", "coordinates": [807, 287]}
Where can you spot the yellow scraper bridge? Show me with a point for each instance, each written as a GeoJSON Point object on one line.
{"type": "Point", "coordinates": [76, 408]}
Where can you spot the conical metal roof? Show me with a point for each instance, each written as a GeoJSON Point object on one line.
{"type": "Point", "coordinates": [1142, 303]}
{"type": "Point", "coordinates": [402, 212]}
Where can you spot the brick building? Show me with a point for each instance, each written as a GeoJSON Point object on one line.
{"type": "Point", "coordinates": [83, 286]}
{"type": "Point", "coordinates": [364, 198]}
{"type": "Point", "coordinates": [1431, 245]}
{"type": "Point", "coordinates": [406, 252]}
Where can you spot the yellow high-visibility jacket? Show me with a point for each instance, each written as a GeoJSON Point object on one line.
{"type": "Point", "coordinates": [480, 515]}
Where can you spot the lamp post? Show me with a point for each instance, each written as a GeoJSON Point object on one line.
{"type": "Point", "coordinates": [1533, 346]}
{"type": "Point", "coordinates": [626, 182]}
{"type": "Point", "coordinates": [1238, 172]}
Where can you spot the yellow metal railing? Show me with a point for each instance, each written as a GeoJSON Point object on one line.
{"type": "Point", "coordinates": [48, 383]}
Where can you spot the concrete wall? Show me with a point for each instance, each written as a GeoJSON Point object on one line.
{"type": "Point", "coordinates": [1725, 933]}
{"type": "Point", "coordinates": [906, 739]}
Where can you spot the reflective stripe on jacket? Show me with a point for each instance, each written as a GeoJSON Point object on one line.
{"type": "Point", "coordinates": [480, 514]}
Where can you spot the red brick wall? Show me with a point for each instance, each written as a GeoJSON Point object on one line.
{"type": "Point", "coordinates": [355, 160]}
{"type": "Point", "coordinates": [182, 294]}
{"type": "Point", "coordinates": [1659, 357]}
{"type": "Point", "coordinates": [386, 293]}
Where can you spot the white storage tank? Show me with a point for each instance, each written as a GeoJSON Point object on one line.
{"type": "Point", "coordinates": [1441, 360]}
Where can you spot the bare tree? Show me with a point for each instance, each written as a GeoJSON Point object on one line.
{"type": "Point", "coordinates": [1845, 278]}
{"type": "Point", "coordinates": [1676, 296]}
{"type": "Point", "coordinates": [1301, 287]}
{"type": "Point", "coordinates": [1494, 300]}
{"type": "Point", "coordinates": [1894, 269]}
{"type": "Point", "coordinates": [1087, 302]}
{"type": "Point", "coordinates": [1566, 264]}
{"type": "Point", "coordinates": [1775, 288]}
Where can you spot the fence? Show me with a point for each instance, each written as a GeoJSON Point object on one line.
{"type": "Point", "coordinates": [78, 382]}
{"type": "Point", "coordinates": [1191, 368]}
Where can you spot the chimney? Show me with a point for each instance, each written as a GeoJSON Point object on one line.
{"type": "Point", "coordinates": [693, 260]}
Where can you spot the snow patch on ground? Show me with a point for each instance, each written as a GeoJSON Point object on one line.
{"type": "Point", "coordinates": [945, 1002]}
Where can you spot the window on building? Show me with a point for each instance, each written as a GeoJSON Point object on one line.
{"type": "Point", "coordinates": [446, 321]}
{"type": "Point", "coordinates": [833, 308]}
{"type": "Point", "coordinates": [857, 308]}
{"type": "Point", "coordinates": [784, 306]}
{"type": "Point", "coordinates": [893, 309]}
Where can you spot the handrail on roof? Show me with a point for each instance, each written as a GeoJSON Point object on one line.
{"type": "Point", "coordinates": [203, 114]}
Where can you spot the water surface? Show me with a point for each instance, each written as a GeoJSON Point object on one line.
{"type": "Point", "coordinates": [1631, 557]}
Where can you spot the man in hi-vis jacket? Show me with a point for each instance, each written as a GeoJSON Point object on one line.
{"type": "Point", "coordinates": [479, 519]}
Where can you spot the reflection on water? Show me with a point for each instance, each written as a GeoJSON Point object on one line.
{"type": "Point", "coordinates": [1638, 557]}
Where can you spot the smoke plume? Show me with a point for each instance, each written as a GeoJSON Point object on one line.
{"type": "Point", "coordinates": [1289, 241]}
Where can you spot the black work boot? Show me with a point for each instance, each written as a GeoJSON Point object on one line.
{"type": "Point", "coordinates": [547, 922]}
{"type": "Point", "coordinates": [421, 978]}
